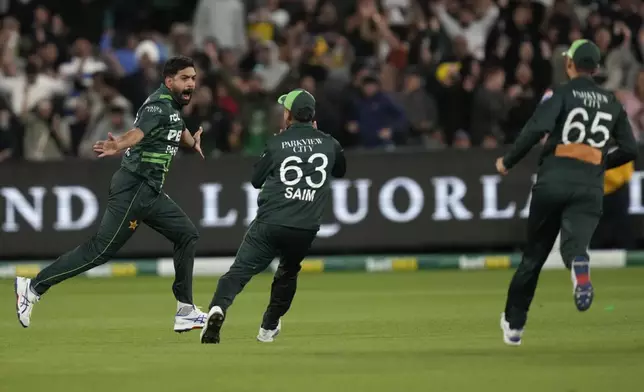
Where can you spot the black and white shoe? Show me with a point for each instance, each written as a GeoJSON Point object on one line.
{"type": "Point", "coordinates": [214, 321]}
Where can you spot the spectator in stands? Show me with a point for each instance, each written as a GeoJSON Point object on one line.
{"type": "Point", "coordinates": [224, 20]}
{"type": "Point", "coordinates": [261, 26]}
{"type": "Point", "coordinates": [104, 96]}
{"type": "Point", "coordinates": [50, 59]}
{"type": "Point", "coordinates": [457, 84]}
{"type": "Point", "coordinates": [78, 124]}
{"type": "Point", "coordinates": [181, 40]}
{"type": "Point", "coordinates": [618, 65]}
{"type": "Point", "coordinates": [360, 30]}
{"type": "Point", "coordinates": [121, 49]}
{"type": "Point", "coordinates": [116, 120]}
{"type": "Point", "coordinates": [204, 111]}
{"type": "Point", "coordinates": [527, 97]}
{"type": "Point", "coordinates": [377, 119]}
{"type": "Point", "coordinates": [491, 106]}
{"type": "Point", "coordinates": [538, 65]}
{"type": "Point", "coordinates": [328, 118]}
{"type": "Point", "coordinates": [29, 88]}
{"type": "Point", "coordinates": [9, 38]}
{"type": "Point", "coordinates": [258, 116]}
{"type": "Point", "coordinates": [326, 46]}
{"type": "Point", "coordinates": [269, 66]}
{"type": "Point", "coordinates": [8, 143]}
{"type": "Point", "coordinates": [83, 65]}
{"type": "Point", "coordinates": [46, 136]}
{"type": "Point", "coordinates": [279, 17]}
{"type": "Point", "coordinates": [462, 140]}
{"type": "Point", "coordinates": [40, 29]}
{"type": "Point", "coordinates": [473, 25]}
{"type": "Point", "coordinates": [633, 102]}
{"type": "Point", "coordinates": [420, 108]}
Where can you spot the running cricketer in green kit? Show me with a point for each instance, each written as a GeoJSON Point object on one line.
{"type": "Point", "coordinates": [588, 133]}
{"type": "Point", "coordinates": [136, 196]}
{"type": "Point", "coordinates": [294, 175]}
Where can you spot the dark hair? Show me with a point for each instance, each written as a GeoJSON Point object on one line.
{"type": "Point", "coordinates": [176, 64]}
{"type": "Point", "coordinates": [581, 69]}
{"type": "Point", "coordinates": [303, 115]}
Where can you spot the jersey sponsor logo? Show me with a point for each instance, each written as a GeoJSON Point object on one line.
{"type": "Point", "coordinates": [591, 99]}
{"type": "Point", "coordinates": [301, 145]}
{"type": "Point", "coordinates": [175, 117]}
{"type": "Point", "coordinates": [153, 109]}
{"type": "Point", "coordinates": [174, 135]}
{"type": "Point", "coordinates": [172, 150]}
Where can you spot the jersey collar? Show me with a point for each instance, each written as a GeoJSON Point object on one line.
{"type": "Point", "coordinates": [165, 92]}
{"type": "Point", "coordinates": [300, 126]}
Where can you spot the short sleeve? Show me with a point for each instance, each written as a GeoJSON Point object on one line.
{"type": "Point", "coordinates": [149, 117]}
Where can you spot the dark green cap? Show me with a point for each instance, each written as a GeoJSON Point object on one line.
{"type": "Point", "coordinates": [299, 102]}
{"type": "Point", "coordinates": [584, 54]}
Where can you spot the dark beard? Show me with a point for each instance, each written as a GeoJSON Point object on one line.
{"type": "Point", "coordinates": [178, 96]}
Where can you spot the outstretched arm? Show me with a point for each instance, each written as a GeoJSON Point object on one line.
{"type": "Point", "coordinates": [113, 145]}
{"type": "Point", "coordinates": [148, 118]}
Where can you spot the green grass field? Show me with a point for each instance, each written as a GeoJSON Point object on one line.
{"type": "Point", "coordinates": [435, 331]}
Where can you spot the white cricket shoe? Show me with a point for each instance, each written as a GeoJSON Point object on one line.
{"type": "Point", "coordinates": [188, 317]}
{"type": "Point", "coordinates": [511, 337]}
{"type": "Point", "coordinates": [25, 300]}
{"type": "Point", "coordinates": [210, 333]}
{"type": "Point", "coordinates": [269, 335]}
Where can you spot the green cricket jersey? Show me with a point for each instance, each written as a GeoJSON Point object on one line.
{"type": "Point", "coordinates": [584, 123]}
{"type": "Point", "coordinates": [294, 174]}
{"type": "Point", "coordinates": [160, 120]}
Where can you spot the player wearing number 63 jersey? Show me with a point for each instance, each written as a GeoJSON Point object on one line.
{"type": "Point", "coordinates": [588, 132]}
{"type": "Point", "coordinates": [294, 175]}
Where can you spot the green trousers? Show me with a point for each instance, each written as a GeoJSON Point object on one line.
{"type": "Point", "coordinates": [131, 202]}
{"type": "Point", "coordinates": [260, 246]}
{"type": "Point", "coordinates": [573, 210]}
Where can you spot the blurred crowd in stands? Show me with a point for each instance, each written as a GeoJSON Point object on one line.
{"type": "Point", "coordinates": [386, 73]}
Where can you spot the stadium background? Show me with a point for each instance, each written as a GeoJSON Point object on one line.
{"type": "Point", "coordinates": [457, 81]}
{"type": "Point", "coordinates": [422, 94]}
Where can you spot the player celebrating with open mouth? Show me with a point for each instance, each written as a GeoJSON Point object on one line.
{"type": "Point", "coordinates": [136, 196]}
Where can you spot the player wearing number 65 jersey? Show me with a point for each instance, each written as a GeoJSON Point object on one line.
{"type": "Point", "coordinates": [588, 132]}
{"type": "Point", "coordinates": [294, 175]}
